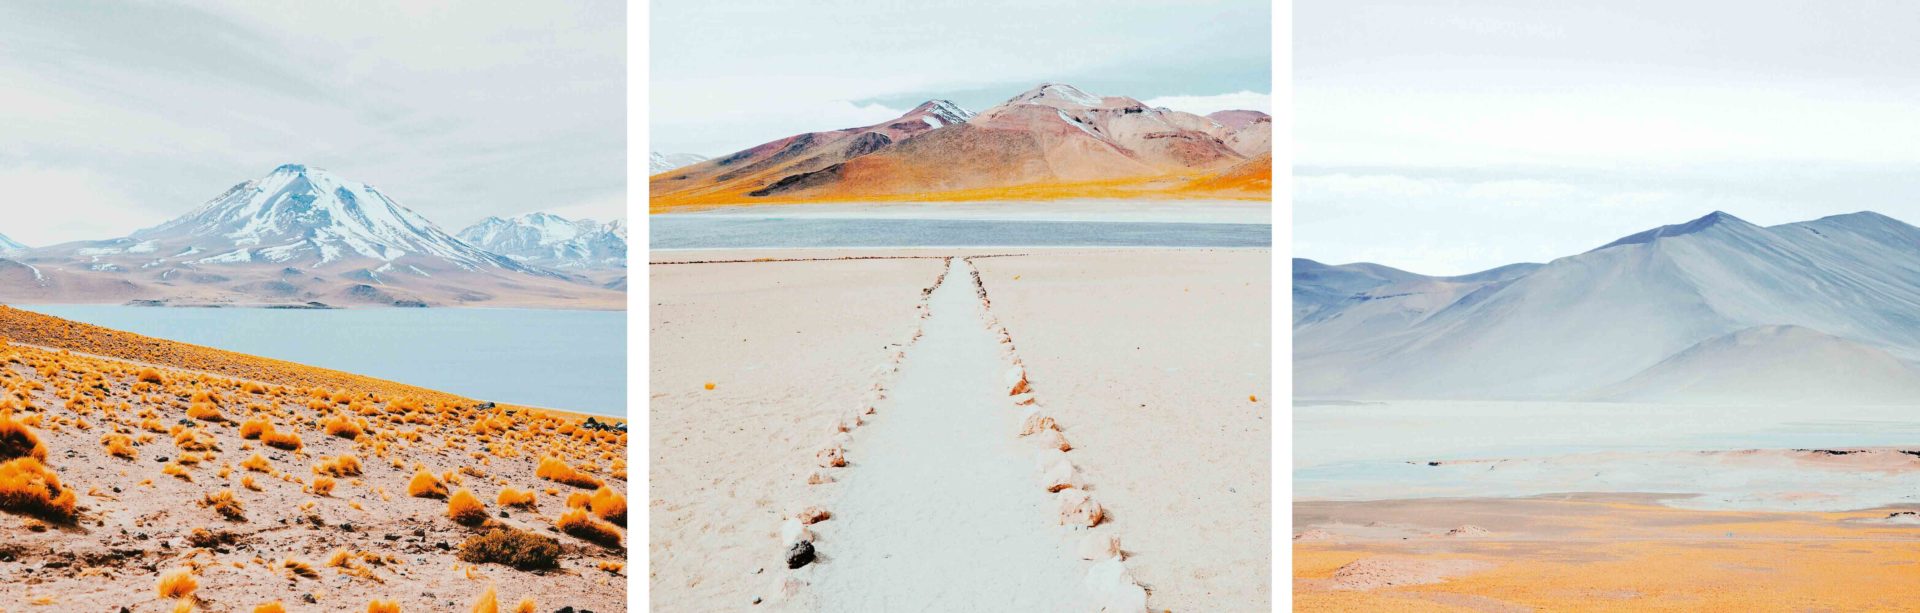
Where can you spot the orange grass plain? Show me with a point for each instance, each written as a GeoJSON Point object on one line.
{"type": "Point", "coordinates": [1629, 556]}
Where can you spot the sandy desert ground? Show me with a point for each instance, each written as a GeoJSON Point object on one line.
{"type": "Point", "coordinates": [143, 475]}
{"type": "Point", "coordinates": [786, 345]}
{"type": "Point", "coordinates": [1512, 506]}
{"type": "Point", "coordinates": [1599, 552]}
{"type": "Point", "coordinates": [1159, 360]}
{"type": "Point", "coordinates": [1186, 396]}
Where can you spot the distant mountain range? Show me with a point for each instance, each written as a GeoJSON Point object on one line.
{"type": "Point", "coordinates": [1713, 310]}
{"type": "Point", "coordinates": [1051, 141]}
{"type": "Point", "coordinates": [8, 244]}
{"type": "Point", "coordinates": [552, 241]}
{"type": "Point", "coordinates": [658, 162]}
{"type": "Point", "coordinates": [300, 235]}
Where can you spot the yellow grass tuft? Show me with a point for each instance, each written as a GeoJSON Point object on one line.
{"type": "Point", "coordinates": [258, 464]}
{"type": "Point", "coordinates": [298, 568]}
{"type": "Point", "coordinates": [578, 500]}
{"type": "Point", "coordinates": [342, 427]}
{"type": "Point", "coordinates": [271, 607]}
{"type": "Point", "coordinates": [253, 428]}
{"type": "Point", "coordinates": [323, 485]}
{"type": "Point", "coordinates": [425, 485]}
{"type": "Point", "coordinates": [228, 506]}
{"type": "Point", "coordinates": [553, 469]}
{"type": "Point", "coordinates": [612, 566]}
{"type": "Point", "coordinates": [289, 441]}
{"type": "Point", "coordinates": [149, 375]}
{"type": "Point", "coordinates": [465, 508]}
{"type": "Point", "coordinates": [526, 606]}
{"type": "Point", "coordinates": [29, 487]}
{"type": "Point", "coordinates": [17, 440]}
{"type": "Point", "coordinates": [247, 482]}
{"type": "Point", "coordinates": [205, 411]}
{"type": "Point", "coordinates": [383, 606]}
{"type": "Point", "coordinates": [118, 445]}
{"type": "Point", "coordinates": [489, 601]}
{"type": "Point", "coordinates": [177, 583]}
{"type": "Point", "coordinates": [510, 497]}
{"type": "Point", "coordinates": [516, 548]}
{"type": "Point", "coordinates": [343, 466]}
{"type": "Point", "coordinates": [609, 505]}
{"type": "Point", "coordinates": [584, 526]}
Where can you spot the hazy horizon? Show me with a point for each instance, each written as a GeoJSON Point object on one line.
{"type": "Point", "coordinates": [728, 77]}
{"type": "Point", "coordinates": [1457, 138]}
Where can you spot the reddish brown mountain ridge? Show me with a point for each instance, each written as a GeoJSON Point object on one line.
{"type": "Point", "coordinates": [1051, 141]}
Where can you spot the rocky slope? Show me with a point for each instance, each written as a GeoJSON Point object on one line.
{"type": "Point", "coordinates": [145, 475]}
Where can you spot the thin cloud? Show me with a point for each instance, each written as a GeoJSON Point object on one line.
{"type": "Point", "coordinates": [457, 110]}
{"type": "Point", "coordinates": [1202, 105]}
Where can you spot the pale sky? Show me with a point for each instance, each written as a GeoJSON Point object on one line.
{"type": "Point", "coordinates": [731, 75]}
{"type": "Point", "coordinates": [1446, 138]}
{"type": "Point", "coordinates": [121, 115]}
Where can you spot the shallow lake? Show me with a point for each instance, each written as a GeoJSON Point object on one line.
{"type": "Point", "coordinates": [571, 360]}
{"type": "Point", "coordinates": [1369, 451]}
{"type": "Point", "coordinates": [742, 231]}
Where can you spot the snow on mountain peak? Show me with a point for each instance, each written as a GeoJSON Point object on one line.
{"type": "Point", "coordinates": [658, 162]}
{"type": "Point", "coordinates": [546, 239]}
{"type": "Point", "coordinates": [944, 112]}
{"type": "Point", "coordinates": [303, 213]}
{"type": "Point", "coordinates": [1057, 94]}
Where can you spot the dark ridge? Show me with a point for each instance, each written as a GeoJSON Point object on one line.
{"type": "Point", "coordinates": [867, 143]}
{"type": "Point", "coordinates": [801, 181]}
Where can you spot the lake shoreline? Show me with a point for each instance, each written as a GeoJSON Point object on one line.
{"type": "Point", "coordinates": [568, 361]}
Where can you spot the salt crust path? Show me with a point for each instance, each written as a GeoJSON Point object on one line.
{"type": "Point", "coordinates": [942, 510]}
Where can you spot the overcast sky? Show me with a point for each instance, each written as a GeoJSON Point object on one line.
{"type": "Point", "coordinates": [120, 115]}
{"type": "Point", "coordinates": [1446, 138]}
{"type": "Point", "coordinates": [730, 75]}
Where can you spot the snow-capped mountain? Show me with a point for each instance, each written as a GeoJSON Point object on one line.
{"type": "Point", "coordinates": [1672, 308]}
{"type": "Point", "coordinates": [304, 216]}
{"type": "Point", "coordinates": [658, 162]}
{"type": "Point", "coordinates": [552, 241]}
{"type": "Point", "coordinates": [8, 244]}
{"type": "Point", "coordinates": [1156, 138]}
{"type": "Point", "coordinates": [298, 235]}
